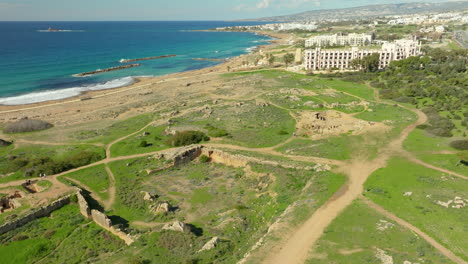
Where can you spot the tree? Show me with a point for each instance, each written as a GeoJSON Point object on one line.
{"type": "Point", "coordinates": [369, 63]}
{"type": "Point", "coordinates": [271, 59]}
{"type": "Point", "coordinates": [288, 58]}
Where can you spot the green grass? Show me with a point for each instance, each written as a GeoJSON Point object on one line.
{"type": "Point", "coordinates": [339, 148]}
{"type": "Point", "coordinates": [387, 186]}
{"type": "Point", "coordinates": [446, 161]}
{"type": "Point", "coordinates": [355, 229]}
{"type": "Point", "coordinates": [420, 141]}
{"type": "Point", "coordinates": [201, 196]}
{"type": "Point", "coordinates": [131, 146]}
{"type": "Point", "coordinates": [28, 153]}
{"type": "Point", "coordinates": [66, 237]}
{"type": "Point", "coordinates": [114, 131]}
{"type": "Point", "coordinates": [248, 125]}
{"type": "Point", "coordinates": [95, 178]}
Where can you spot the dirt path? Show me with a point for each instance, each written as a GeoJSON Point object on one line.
{"type": "Point", "coordinates": [275, 153]}
{"type": "Point", "coordinates": [416, 230]}
{"type": "Point", "coordinates": [297, 247]}
{"type": "Point", "coordinates": [413, 159]}
{"type": "Point", "coordinates": [108, 204]}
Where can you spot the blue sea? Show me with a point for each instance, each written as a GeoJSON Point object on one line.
{"type": "Point", "coordinates": [36, 65]}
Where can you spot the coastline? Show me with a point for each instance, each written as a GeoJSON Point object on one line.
{"type": "Point", "coordinates": [142, 82]}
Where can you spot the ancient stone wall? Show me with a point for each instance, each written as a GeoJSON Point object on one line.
{"type": "Point", "coordinates": [101, 219]}
{"type": "Point", "coordinates": [40, 212]}
{"type": "Point", "coordinates": [83, 204]}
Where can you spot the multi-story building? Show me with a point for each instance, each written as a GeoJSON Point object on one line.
{"type": "Point", "coordinates": [318, 59]}
{"type": "Point", "coordinates": [352, 39]}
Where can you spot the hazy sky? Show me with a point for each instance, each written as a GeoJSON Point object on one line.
{"type": "Point", "coordinates": [48, 10]}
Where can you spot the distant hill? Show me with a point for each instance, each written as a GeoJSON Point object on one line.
{"type": "Point", "coordinates": [370, 11]}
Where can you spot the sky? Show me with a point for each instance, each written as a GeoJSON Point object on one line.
{"type": "Point", "coordinates": [112, 10]}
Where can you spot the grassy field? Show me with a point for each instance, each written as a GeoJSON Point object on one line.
{"type": "Point", "coordinates": [66, 237]}
{"type": "Point", "coordinates": [218, 201]}
{"type": "Point", "coordinates": [353, 238]}
{"type": "Point", "coordinates": [339, 148]}
{"type": "Point", "coordinates": [419, 142]}
{"type": "Point", "coordinates": [95, 178]}
{"type": "Point", "coordinates": [247, 125]}
{"type": "Point", "coordinates": [18, 160]}
{"type": "Point", "coordinates": [130, 146]}
{"type": "Point", "coordinates": [387, 187]}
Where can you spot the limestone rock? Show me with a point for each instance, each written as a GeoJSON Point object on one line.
{"type": "Point", "coordinates": [148, 196]}
{"type": "Point", "coordinates": [177, 226]}
{"type": "Point", "coordinates": [210, 244]}
{"type": "Point", "coordinates": [162, 208]}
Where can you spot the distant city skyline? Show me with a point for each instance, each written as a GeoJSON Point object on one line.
{"type": "Point", "coordinates": [120, 10]}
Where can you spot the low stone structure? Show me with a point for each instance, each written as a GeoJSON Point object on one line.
{"type": "Point", "coordinates": [161, 208]}
{"type": "Point", "coordinates": [40, 212]}
{"type": "Point", "coordinates": [101, 219]}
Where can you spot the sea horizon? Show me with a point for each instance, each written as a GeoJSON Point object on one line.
{"type": "Point", "coordinates": [31, 72]}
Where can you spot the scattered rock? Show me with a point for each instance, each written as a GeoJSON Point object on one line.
{"type": "Point", "coordinates": [383, 257]}
{"type": "Point", "coordinates": [149, 196]}
{"type": "Point", "coordinates": [210, 244]}
{"type": "Point", "coordinates": [321, 167]}
{"type": "Point", "coordinates": [161, 208]}
{"type": "Point", "coordinates": [408, 194]}
{"type": "Point", "coordinates": [456, 203]}
{"type": "Point", "coordinates": [145, 133]}
{"type": "Point", "coordinates": [177, 226]}
{"type": "Point", "coordinates": [383, 225]}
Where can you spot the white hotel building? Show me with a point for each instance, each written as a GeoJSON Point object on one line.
{"type": "Point", "coordinates": [352, 39]}
{"type": "Point", "coordinates": [318, 59]}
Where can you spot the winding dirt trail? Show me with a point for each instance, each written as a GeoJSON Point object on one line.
{"type": "Point", "coordinates": [108, 204]}
{"type": "Point", "coordinates": [296, 248]}
{"type": "Point", "coordinates": [416, 230]}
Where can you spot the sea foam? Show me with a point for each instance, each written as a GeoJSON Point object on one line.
{"type": "Point", "coordinates": [50, 95]}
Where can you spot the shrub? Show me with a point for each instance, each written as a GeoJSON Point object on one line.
{"type": "Point", "coordinates": [460, 144]}
{"type": "Point", "coordinates": [185, 138]}
{"type": "Point", "coordinates": [283, 132]}
{"type": "Point", "coordinates": [204, 159]}
{"type": "Point", "coordinates": [4, 143]}
{"type": "Point", "coordinates": [143, 144]}
{"type": "Point", "coordinates": [26, 125]}
{"type": "Point", "coordinates": [216, 132]}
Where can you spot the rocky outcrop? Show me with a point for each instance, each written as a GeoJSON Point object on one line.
{"type": "Point", "coordinates": [106, 70]}
{"type": "Point", "coordinates": [40, 212]}
{"type": "Point", "coordinates": [148, 196]}
{"type": "Point", "coordinates": [177, 226]}
{"type": "Point", "coordinates": [161, 208]}
{"type": "Point", "coordinates": [210, 244]}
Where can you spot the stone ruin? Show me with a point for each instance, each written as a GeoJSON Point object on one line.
{"type": "Point", "coordinates": [10, 202]}
{"type": "Point", "coordinates": [149, 196]}
{"type": "Point", "coordinates": [177, 226]}
{"type": "Point", "coordinates": [101, 219]}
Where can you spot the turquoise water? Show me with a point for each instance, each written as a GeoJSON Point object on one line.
{"type": "Point", "coordinates": [38, 66]}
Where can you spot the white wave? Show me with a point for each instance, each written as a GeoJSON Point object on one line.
{"type": "Point", "coordinates": [50, 95]}
{"type": "Point", "coordinates": [250, 49]}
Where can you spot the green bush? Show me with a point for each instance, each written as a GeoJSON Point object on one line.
{"type": "Point", "coordinates": [204, 159]}
{"type": "Point", "coordinates": [143, 144]}
{"type": "Point", "coordinates": [26, 125]}
{"type": "Point", "coordinates": [460, 144]}
{"type": "Point", "coordinates": [185, 138]}
{"type": "Point", "coordinates": [216, 132]}
{"type": "Point", "coordinates": [4, 143]}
